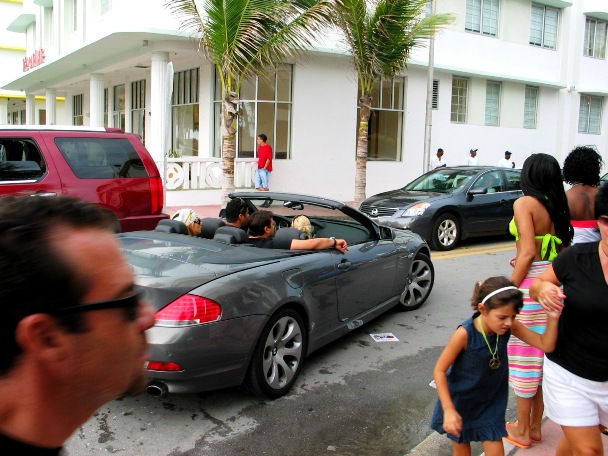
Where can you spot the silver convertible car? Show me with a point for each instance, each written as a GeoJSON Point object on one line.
{"type": "Point", "coordinates": [229, 313]}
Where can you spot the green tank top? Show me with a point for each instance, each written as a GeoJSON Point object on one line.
{"type": "Point", "coordinates": [549, 241]}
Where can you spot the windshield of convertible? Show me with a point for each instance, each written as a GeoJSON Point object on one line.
{"type": "Point", "coordinates": [442, 181]}
{"type": "Point", "coordinates": [324, 221]}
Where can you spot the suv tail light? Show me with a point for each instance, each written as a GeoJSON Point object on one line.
{"type": "Point", "coordinates": [156, 193]}
{"type": "Point", "coordinates": [188, 310]}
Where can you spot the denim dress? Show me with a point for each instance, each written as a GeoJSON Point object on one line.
{"type": "Point", "coordinates": [479, 393]}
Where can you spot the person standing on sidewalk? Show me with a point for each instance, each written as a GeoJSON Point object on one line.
{"type": "Point", "coordinates": [581, 170]}
{"type": "Point", "coordinates": [575, 375]}
{"type": "Point", "coordinates": [541, 226]}
{"type": "Point", "coordinates": [262, 176]}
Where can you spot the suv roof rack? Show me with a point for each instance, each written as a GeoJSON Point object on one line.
{"type": "Point", "coordinates": [59, 128]}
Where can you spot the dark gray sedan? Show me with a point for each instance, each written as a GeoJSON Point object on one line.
{"type": "Point", "coordinates": [447, 205]}
{"type": "Point", "coordinates": [229, 313]}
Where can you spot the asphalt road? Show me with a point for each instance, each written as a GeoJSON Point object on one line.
{"type": "Point", "coordinates": [355, 397]}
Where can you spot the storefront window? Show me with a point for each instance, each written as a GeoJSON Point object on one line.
{"type": "Point", "coordinates": [185, 112]}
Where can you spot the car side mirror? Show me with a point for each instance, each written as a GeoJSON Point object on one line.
{"type": "Point", "coordinates": [387, 232]}
{"type": "Point", "coordinates": [478, 191]}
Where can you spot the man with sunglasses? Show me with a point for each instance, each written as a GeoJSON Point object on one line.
{"type": "Point", "coordinates": [262, 229]}
{"type": "Point", "coordinates": [237, 213]}
{"type": "Point", "coordinates": [72, 330]}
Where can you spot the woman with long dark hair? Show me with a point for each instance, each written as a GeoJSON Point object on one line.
{"type": "Point", "coordinates": [541, 227]}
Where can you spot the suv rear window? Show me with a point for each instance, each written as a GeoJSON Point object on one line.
{"type": "Point", "coordinates": [20, 160]}
{"type": "Point", "coordinates": [101, 158]}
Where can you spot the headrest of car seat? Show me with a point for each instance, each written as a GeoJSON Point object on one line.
{"type": "Point", "coordinates": [289, 233]}
{"type": "Point", "coordinates": [209, 225]}
{"type": "Point", "coordinates": [172, 226]}
{"type": "Point", "coordinates": [230, 235]}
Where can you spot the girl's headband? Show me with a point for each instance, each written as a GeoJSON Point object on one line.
{"type": "Point", "coordinates": [495, 292]}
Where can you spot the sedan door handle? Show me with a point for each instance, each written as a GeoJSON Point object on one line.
{"type": "Point", "coordinates": [344, 264]}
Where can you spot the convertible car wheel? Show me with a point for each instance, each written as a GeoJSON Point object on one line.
{"type": "Point", "coordinates": [278, 356]}
{"type": "Point", "coordinates": [446, 232]}
{"type": "Point", "coordinates": [419, 283]}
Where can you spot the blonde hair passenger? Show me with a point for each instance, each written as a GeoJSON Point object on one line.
{"type": "Point", "coordinates": [302, 223]}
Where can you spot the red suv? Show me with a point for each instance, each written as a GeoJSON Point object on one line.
{"type": "Point", "coordinates": [101, 165]}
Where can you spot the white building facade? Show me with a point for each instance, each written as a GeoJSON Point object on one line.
{"type": "Point", "coordinates": [519, 75]}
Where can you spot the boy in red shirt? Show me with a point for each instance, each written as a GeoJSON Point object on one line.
{"type": "Point", "coordinates": [264, 163]}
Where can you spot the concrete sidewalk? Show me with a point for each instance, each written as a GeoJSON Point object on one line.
{"type": "Point", "coordinates": [552, 433]}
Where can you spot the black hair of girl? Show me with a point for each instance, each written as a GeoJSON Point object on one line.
{"type": "Point", "coordinates": [541, 178]}
{"type": "Point", "coordinates": [484, 288]}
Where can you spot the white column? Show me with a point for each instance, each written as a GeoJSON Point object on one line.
{"type": "Point", "coordinates": [96, 100]}
{"type": "Point", "coordinates": [30, 109]}
{"type": "Point", "coordinates": [159, 118]}
{"type": "Point", "coordinates": [3, 111]}
{"type": "Point", "coordinates": [51, 107]}
{"type": "Point", "coordinates": [111, 106]}
{"type": "Point", "coordinates": [128, 107]}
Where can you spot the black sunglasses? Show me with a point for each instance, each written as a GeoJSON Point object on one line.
{"type": "Point", "coordinates": [129, 303]}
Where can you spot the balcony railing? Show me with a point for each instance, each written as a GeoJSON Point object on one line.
{"type": "Point", "coordinates": [195, 173]}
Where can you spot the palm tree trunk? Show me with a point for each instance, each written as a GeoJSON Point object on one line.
{"type": "Point", "coordinates": [229, 118]}
{"type": "Point", "coordinates": [362, 147]}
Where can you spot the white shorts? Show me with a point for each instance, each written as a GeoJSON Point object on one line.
{"type": "Point", "coordinates": [571, 400]}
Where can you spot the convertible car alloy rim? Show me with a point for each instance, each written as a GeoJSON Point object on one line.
{"type": "Point", "coordinates": [447, 232]}
{"type": "Point", "coordinates": [282, 352]}
{"type": "Point", "coordinates": [419, 284]}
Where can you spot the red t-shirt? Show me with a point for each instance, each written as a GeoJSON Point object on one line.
{"type": "Point", "coordinates": [265, 153]}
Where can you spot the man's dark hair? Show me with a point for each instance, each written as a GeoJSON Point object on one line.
{"type": "Point", "coordinates": [234, 208]}
{"type": "Point", "coordinates": [258, 221]}
{"type": "Point", "coordinates": [34, 276]}
{"type": "Point", "coordinates": [541, 178]}
{"type": "Point", "coordinates": [263, 137]}
{"type": "Point", "coordinates": [440, 150]}
{"type": "Point", "coordinates": [583, 165]}
{"type": "Point", "coordinates": [601, 201]}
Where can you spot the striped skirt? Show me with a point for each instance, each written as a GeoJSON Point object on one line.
{"type": "Point", "coordinates": [526, 362]}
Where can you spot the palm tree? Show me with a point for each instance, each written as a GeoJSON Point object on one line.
{"type": "Point", "coordinates": [379, 35]}
{"type": "Point", "coordinates": [244, 39]}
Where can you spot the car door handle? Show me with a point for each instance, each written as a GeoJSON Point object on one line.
{"type": "Point", "coordinates": [344, 264]}
{"type": "Point", "coordinates": [45, 194]}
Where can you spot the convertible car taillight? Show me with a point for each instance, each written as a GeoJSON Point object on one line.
{"type": "Point", "coordinates": [189, 310]}
{"type": "Point", "coordinates": [161, 366]}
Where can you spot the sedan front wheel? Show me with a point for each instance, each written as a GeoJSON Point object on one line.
{"type": "Point", "coordinates": [278, 355]}
{"type": "Point", "coordinates": [446, 232]}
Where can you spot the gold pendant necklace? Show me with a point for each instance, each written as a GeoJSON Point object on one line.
{"type": "Point", "coordinates": [494, 361]}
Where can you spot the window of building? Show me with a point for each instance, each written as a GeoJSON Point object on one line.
{"type": "Point", "coordinates": [138, 108]}
{"type": "Point", "coordinates": [74, 15]}
{"type": "Point", "coordinates": [106, 5]}
{"type": "Point", "coordinates": [435, 101]}
{"type": "Point", "coordinates": [265, 107]}
{"type": "Point", "coordinates": [530, 107]}
{"type": "Point", "coordinates": [590, 114]}
{"type": "Point", "coordinates": [42, 117]}
{"type": "Point", "coordinates": [105, 107]}
{"type": "Point", "coordinates": [185, 113]}
{"type": "Point", "coordinates": [595, 38]}
{"type": "Point", "coordinates": [385, 126]}
{"type": "Point", "coordinates": [482, 17]}
{"type": "Point", "coordinates": [493, 103]}
{"type": "Point", "coordinates": [543, 26]}
{"type": "Point", "coordinates": [460, 88]}
{"type": "Point", "coordinates": [77, 117]}
{"type": "Point", "coordinates": [118, 107]}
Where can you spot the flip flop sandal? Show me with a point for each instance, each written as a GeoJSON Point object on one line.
{"type": "Point", "coordinates": [516, 443]}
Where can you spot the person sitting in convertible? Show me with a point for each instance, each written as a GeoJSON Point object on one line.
{"type": "Point", "coordinates": [262, 230]}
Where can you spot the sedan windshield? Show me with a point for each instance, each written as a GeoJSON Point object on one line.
{"type": "Point", "coordinates": [442, 181]}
